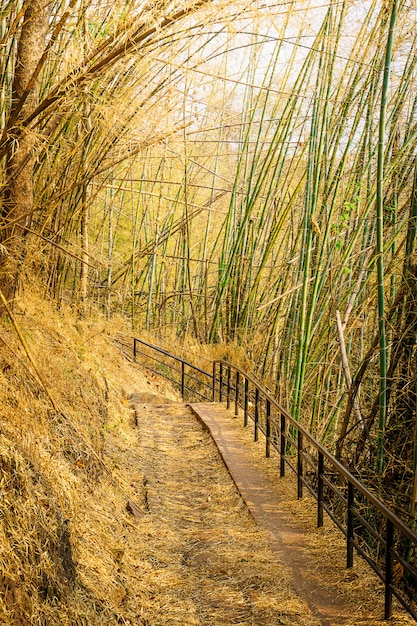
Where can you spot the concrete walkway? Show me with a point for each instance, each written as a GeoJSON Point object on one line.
{"type": "Point", "coordinates": [262, 497]}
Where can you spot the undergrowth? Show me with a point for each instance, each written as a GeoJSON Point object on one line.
{"type": "Point", "coordinates": [63, 513]}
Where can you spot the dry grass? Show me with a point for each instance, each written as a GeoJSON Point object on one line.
{"type": "Point", "coordinates": [63, 507]}
{"type": "Point", "coordinates": [70, 551]}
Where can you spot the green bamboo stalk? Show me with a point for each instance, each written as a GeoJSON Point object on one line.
{"type": "Point", "coordinates": [380, 241]}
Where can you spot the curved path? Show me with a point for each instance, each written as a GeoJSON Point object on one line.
{"type": "Point", "coordinates": [213, 559]}
{"type": "Point", "coordinates": [236, 556]}
{"type": "Point", "coordinates": [263, 498]}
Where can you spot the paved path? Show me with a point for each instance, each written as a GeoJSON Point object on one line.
{"type": "Point", "coordinates": [262, 496]}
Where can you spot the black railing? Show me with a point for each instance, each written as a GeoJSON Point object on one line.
{"type": "Point", "coordinates": [193, 382]}
{"type": "Point", "coordinates": [370, 527]}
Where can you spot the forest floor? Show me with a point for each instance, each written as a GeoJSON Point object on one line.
{"type": "Point", "coordinates": [214, 565]}
{"type": "Point", "coordinates": [77, 449]}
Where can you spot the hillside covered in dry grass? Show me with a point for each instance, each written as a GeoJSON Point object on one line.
{"type": "Point", "coordinates": [63, 500]}
{"type": "Point", "coordinates": [73, 457]}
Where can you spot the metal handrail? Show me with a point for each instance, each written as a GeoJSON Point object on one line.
{"type": "Point", "coordinates": [291, 440]}
{"type": "Point", "coordinates": [398, 536]}
{"type": "Point", "coordinates": [186, 371]}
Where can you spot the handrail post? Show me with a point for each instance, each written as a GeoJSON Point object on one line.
{"type": "Point", "coordinates": [388, 569]}
{"type": "Point", "coordinates": [134, 349]}
{"type": "Point", "coordinates": [300, 465]}
{"type": "Point", "coordinates": [282, 447]}
{"type": "Point", "coordinates": [221, 382]}
{"type": "Point", "coordinates": [237, 394]}
{"type": "Point", "coordinates": [320, 472]}
{"type": "Point", "coordinates": [350, 530]}
{"type": "Point", "coordinates": [214, 382]}
{"type": "Point", "coordinates": [182, 379]}
{"type": "Point", "coordinates": [268, 429]}
{"type": "Point", "coordinates": [228, 387]}
{"type": "Point", "coordinates": [245, 415]}
{"type": "Point", "coordinates": [256, 420]}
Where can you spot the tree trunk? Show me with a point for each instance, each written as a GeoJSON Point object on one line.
{"type": "Point", "coordinates": [17, 206]}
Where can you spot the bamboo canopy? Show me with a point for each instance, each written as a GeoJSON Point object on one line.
{"type": "Point", "coordinates": [235, 175]}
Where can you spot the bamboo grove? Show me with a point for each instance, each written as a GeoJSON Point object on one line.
{"type": "Point", "coordinates": [244, 174]}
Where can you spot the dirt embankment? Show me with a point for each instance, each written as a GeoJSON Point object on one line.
{"type": "Point", "coordinates": [63, 499]}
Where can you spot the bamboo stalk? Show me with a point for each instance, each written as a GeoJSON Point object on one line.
{"type": "Point", "coordinates": [346, 369]}
{"type": "Point", "coordinates": [380, 242]}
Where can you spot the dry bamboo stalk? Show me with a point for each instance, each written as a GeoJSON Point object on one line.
{"type": "Point", "coordinates": [296, 288]}
{"type": "Point", "coordinates": [346, 368]}
{"type": "Point", "coordinates": [414, 496]}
